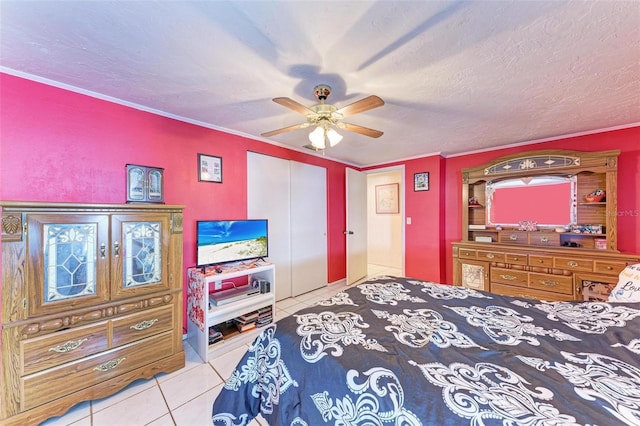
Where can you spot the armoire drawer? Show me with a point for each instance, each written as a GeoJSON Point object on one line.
{"type": "Point", "coordinates": [509, 276]}
{"type": "Point", "coordinates": [142, 324]}
{"type": "Point", "coordinates": [48, 385]}
{"type": "Point", "coordinates": [554, 283]}
{"type": "Point", "coordinates": [40, 353]}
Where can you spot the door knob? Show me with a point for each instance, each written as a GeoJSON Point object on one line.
{"type": "Point", "coordinates": [348, 232]}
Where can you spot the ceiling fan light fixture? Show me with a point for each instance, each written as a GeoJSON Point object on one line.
{"type": "Point", "coordinates": [334, 137]}
{"type": "Point", "coordinates": [317, 138]}
{"type": "Point", "coordinates": [325, 116]}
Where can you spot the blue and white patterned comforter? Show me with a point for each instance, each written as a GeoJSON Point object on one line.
{"type": "Point", "coordinates": [398, 351]}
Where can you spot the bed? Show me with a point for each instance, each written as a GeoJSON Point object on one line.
{"type": "Point", "coordinates": [400, 351]}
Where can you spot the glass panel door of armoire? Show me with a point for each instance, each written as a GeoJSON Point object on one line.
{"type": "Point", "coordinates": [67, 262]}
{"type": "Point", "coordinates": [140, 256]}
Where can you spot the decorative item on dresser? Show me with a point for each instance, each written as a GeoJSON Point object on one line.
{"type": "Point", "coordinates": [91, 301]}
{"type": "Point", "coordinates": [571, 252]}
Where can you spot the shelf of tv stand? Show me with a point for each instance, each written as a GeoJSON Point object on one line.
{"type": "Point", "coordinates": [219, 314]}
{"type": "Point", "coordinates": [202, 315]}
{"type": "Point", "coordinates": [237, 270]}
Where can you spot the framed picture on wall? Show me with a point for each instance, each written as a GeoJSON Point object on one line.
{"type": "Point", "coordinates": [387, 201]}
{"type": "Point", "coordinates": [421, 181]}
{"type": "Point", "coordinates": [209, 168]}
{"type": "Point", "coordinates": [145, 184]}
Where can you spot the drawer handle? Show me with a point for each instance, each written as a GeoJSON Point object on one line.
{"type": "Point", "coordinates": [508, 277]}
{"type": "Point", "coordinates": [549, 283]}
{"type": "Point", "coordinates": [572, 263]}
{"type": "Point", "coordinates": [515, 258]}
{"type": "Point", "coordinates": [540, 261]}
{"type": "Point", "coordinates": [513, 237]}
{"type": "Point", "coordinates": [109, 365]}
{"type": "Point", "coordinates": [143, 325]}
{"type": "Point", "coordinates": [116, 249]}
{"type": "Point", "coordinates": [490, 256]}
{"type": "Point", "coordinates": [544, 239]}
{"type": "Point", "coordinates": [69, 346]}
{"type": "Point", "coordinates": [609, 268]}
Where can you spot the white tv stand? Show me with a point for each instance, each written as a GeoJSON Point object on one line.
{"type": "Point", "coordinates": [203, 315]}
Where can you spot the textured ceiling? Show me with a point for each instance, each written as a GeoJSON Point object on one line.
{"type": "Point", "coordinates": [455, 76]}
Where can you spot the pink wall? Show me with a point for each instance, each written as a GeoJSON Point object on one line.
{"type": "Point", "coordinates": [56, 145]}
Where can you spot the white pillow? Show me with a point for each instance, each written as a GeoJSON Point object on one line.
{"type": "Point", "coordinates": [628, 287]}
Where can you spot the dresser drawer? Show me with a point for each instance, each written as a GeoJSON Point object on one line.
{"type": "Point", "coordinates": [44, 352]}
{"type": "Point", "coordinates": [519, 237]}
{"type": "Point", "coordinates": [516, 259]}
{"type": "Point", "coordinates": [573, 264]}
{"type": "Point", "coordinates": [48, 385]}
{"type": "Point", "coordinates": [492, 256]}
{"type": "Point", "coordinates": [464, 253]}
{"type": "Point", "coordinates": [609, 267]}
{"type": "Point", "coordinates": [529, 293]}
{"type": "Point", "coordinates": [554, 283]}
{"type": "Point", "coordinates": [541, 261]}
{"type": "Point", "coordinates": [549, 239]}
{"type": "Point", "coordinates": [143, 324]}
{"type": "Point", "coordinates": [509, 276]}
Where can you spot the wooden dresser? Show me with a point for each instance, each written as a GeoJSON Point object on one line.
{"type": "Point", "coordinates": [575, 260]}
{"type": "Point", "coordinates": [538, 272]}
{"type": "Point", "coordinates": [91, 301]}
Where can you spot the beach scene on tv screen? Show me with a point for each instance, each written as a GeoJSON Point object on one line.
{"type": "Point", "coordinates": [227, 241]}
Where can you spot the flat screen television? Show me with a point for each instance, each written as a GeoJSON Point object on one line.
{"type": "Point", "coordinates": [225, 241]}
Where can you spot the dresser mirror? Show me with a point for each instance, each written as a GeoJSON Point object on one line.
{"type": "Point", "coordinates": [547, 200]}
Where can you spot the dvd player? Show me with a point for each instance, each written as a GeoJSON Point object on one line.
{"type": "Point", "coordinates": [232, 295]}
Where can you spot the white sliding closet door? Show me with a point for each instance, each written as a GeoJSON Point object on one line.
{"type": "Point", "coordinates": [309, 227]}
{"type": "Point", "coordinates": [268, 197]}
{"type": "Point", "coordinates": [293, 196]}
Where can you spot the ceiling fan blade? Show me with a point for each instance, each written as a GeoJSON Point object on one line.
{"type": "Point", "coordinates": [285, 129]}
{"type": "Point", "coordinates": [360, 129]}
{"type": "Point", "coordinates": [362, 105]}
{"type": "Point", "coordinates": [293, 105]}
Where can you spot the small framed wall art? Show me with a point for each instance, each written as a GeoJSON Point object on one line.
{"type": "Point", "coordinates": [387, 201]}
{"type": "Point", "coordinates": [421, 181]}
{"type": "Point", "coordinates": [145, 184]}
{"type": "Point", "coordinates": [209, 168]}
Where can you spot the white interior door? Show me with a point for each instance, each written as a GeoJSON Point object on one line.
{"type": "Point", "coordinates": [356, 231]}
{"type": "Point", "coordinates": [309, 227]}
{"type": "Point", "coordinates": [268, 197]}
{"type": "Point", "coordinates": [293, 196]}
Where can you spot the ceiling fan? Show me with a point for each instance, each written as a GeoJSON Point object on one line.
{"type": "Point", "coordinates": [325, 117]}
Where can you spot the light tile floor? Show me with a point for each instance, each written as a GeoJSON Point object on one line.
{"type": "Point", "coordinates": [184, 397]}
